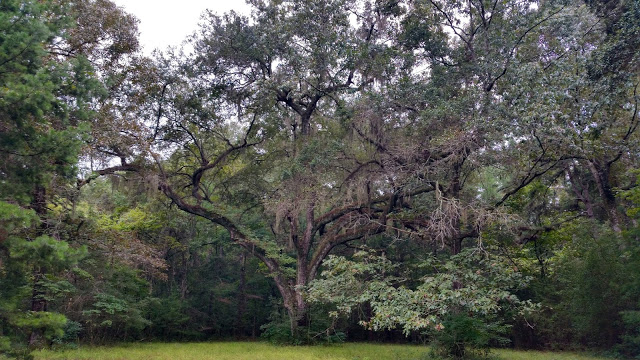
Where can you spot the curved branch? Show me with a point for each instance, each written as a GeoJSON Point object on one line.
{"type": "Point", "coordinates": [110, 170]}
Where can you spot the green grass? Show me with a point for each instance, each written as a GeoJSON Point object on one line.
{"type": "Point", "coordinates": [542, 355]}
{"type": "Point", "coordinates": [264, 351]}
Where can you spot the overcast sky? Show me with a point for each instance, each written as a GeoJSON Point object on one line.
{"type": "Point", "coordinates": [168, 22]}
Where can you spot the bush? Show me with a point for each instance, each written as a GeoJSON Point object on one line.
{"type": "Point", "coordinates": [463, 336]}
{"type": "Point", "coordinates": [321, 329]}
{"type": "Point", "coordinates": [279, 333]}
{"type": "Point", "coordinates": [630, 346]}
{"type": "Point", "coordinates": [462, 301]}
{"type": "Point", "coordinates": [70, 338]}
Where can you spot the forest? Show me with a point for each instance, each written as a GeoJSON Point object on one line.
{"type": "Point", "coordinates": [456, 173]}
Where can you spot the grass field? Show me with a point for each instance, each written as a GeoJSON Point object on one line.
{"type": "Point", "coordinates": [264, 351]}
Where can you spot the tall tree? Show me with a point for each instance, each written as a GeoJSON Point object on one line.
{"type": "Point", "coordinates": [286, 76]}
{"type": "Point", "coordinates": [310, 126]}
{"type": "Point", "coordinates": [50, 88]}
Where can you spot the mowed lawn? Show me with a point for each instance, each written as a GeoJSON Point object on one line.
{"type": "Point", "coordinates": [264, 351]}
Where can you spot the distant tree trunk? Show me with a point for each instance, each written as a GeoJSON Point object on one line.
{"type": "Point", "coordinates": [184, 284]}
{"type": "Point", "coordinates": [242, 297]}
{"type": "Point", "coordinates": [38, 300]}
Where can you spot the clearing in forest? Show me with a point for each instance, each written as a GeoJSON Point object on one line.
{"type": "Point", "coordinates": [265, 351]}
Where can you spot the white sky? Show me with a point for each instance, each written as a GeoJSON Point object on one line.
{"type": "Point", "coordinates": [169, 22]}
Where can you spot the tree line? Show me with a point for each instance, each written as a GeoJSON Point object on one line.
{"type": "Point", "coordinates": [463, 173]}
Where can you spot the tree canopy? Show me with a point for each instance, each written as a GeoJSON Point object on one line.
{"type": "Point", "coordinates": [449, 168]}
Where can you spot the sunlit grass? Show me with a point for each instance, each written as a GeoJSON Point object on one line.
{"type": "Point", "coordinates": [541, 355]}
{"type": "Point", "coordinates": [239, 351]}
{"type": "Point", "coordinates": [264, 351]}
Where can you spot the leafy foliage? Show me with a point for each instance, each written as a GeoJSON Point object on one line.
{"type": "Point", "coordinates": [460, 302]}
{"type": "Point", "coordinates": [487, 149]}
